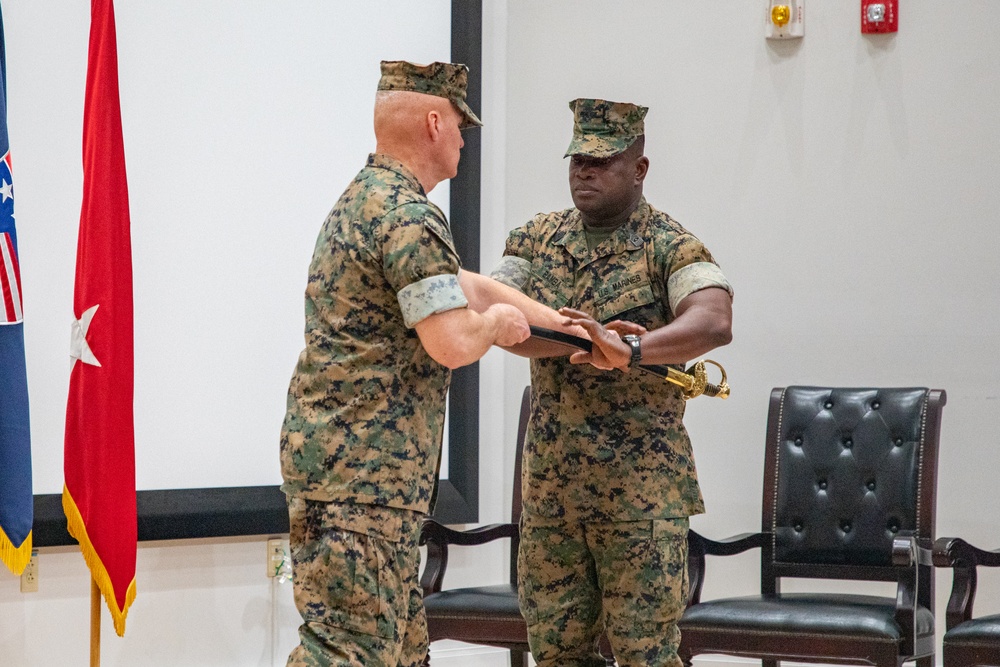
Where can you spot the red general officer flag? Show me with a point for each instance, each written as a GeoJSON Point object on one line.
{"type": "Point", "coordinates": [99, 496]}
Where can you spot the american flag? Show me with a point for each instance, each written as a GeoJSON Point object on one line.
{"type": "Point", "coordinates": [16, 502]}
{"type": "Point", "coordinates": [10, 277]}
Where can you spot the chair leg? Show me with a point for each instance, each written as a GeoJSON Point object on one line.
{"type": "Point", "coordinates": [770, 663]}
{"type": "Point", "coordinates": [519, 658]}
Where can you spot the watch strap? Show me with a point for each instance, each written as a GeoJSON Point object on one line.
{"type": "Point", "coordinates": [636, 345]}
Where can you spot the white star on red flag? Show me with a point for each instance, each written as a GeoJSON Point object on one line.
{"type": "Point", "coordinates": [79, 348]}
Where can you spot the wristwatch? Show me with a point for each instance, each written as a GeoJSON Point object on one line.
{"type": "Point", "coordinates": [635, 343]}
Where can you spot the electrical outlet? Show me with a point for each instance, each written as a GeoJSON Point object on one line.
{"type": "Point", "coordinates": [277, 549]}
{"type": "Point", "coordinates": [29, 578]}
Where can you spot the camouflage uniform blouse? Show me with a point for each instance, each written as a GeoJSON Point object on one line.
{"type": "Point", "coordinates": [606, 445]}
{"type": "Point", "coordinates": [366, 401]}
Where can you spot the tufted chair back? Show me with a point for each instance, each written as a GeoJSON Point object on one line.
{"type": "Point", "coordinates": [853, 470]}
{"type": "Point", "coordinates": [849, 467]}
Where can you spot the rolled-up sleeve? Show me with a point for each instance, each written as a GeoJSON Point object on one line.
{"type": "Point", "coordinates": [692, 278]}
{"type": "Point", "coordinates": [514, 268]}
{"type": "Point", "coordinates": [513, 271]}
{"type": "Point", "coordinates": [429, 296]}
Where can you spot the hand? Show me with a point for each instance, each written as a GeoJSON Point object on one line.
{"type": "Point", "coordinates": [512, 325]}
{"type": "Point", "coordinates": [624, 327]}
{"type": "Point", "coordinates": [575, 330]}
{"type": "Point", "coordinates": [609, 350]}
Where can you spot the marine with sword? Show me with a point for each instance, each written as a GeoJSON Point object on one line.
{"type": "Point", "coordinates": [609, 478]}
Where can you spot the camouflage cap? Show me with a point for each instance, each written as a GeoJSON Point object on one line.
{"type": "Point", "coordinates": [447, 80]}
{"type": "Point", "coordinates": [602, 128]}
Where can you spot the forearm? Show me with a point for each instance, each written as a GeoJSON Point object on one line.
{"type": "Point", "coordinates": [461, 336]}
{"type": "Point", "coordinates": [475, 333]}
{"type": "Point", "coordinates": [701, 326]}
{"type": "Point", "coordinates": [677, 344]}
{"type": "Point", "coordinates": [483, 291]}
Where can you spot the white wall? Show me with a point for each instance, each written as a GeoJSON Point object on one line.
{"type": "Point", "coordinates": [243, 122]}
{"type": "Point", "coordinates": [847, 186]}
{"type": "Point", "coordinates": [766, 151]}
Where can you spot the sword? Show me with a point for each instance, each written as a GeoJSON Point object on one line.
{"type": "Point", "coordinates": [693, 381]}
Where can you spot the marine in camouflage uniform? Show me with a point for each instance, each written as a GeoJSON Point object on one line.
{"type": "Point", "coordinates": [609, 477]}
{"type": "Point", "coordinates": [361, 439]}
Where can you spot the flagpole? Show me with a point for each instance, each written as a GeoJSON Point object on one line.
{"type": "Point", "coordinates": [95, 624]}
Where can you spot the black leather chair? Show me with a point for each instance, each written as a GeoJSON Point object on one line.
{"type": "Point", "coordinates": [487, 615]}
{"type": "Point", "coordinates": [849, 494]}
{"type": "Point", "coordinates": [967, 640]}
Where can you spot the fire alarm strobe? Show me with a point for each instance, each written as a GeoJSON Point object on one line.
{"type": "Point", "coordinates": [879, 16]}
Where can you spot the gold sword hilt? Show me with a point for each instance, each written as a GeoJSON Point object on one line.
{"type": "Point", "coordinates": [694, 381]}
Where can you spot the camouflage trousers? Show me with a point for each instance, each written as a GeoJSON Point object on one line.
{"type": "Point", "coordinates": [629, 579]}
{"type": "Point", "coordinates": [355, 572]}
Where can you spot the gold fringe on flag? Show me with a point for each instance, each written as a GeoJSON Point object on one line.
{"type": "Point", "coordinates": [15, 558]}
{"type": "Point", "coordinates": [78, 529]}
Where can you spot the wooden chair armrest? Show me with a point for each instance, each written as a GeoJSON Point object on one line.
{"type": "Point", "coordinates": [910, 553]}
{"type": "Point", "coordinates": [728, 546]}
{"type": "Point", "coordinates": [963, 558]}
{"type": "Point", "coordinates": [438, 538]}
{"type": "Point", "coordinates": [700, 546]}
{"type": "Point", "coordinates": [910, 550]}
{"type": "Point", "coordinates": [432, 531]}
{"type": "Point", "coordinates": [956, 552]}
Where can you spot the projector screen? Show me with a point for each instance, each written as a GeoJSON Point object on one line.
{"type": "Point", "coordinates": [243, 122]}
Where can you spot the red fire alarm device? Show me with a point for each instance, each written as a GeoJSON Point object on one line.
{"type": "Point", "coordinates": [879, 16]}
